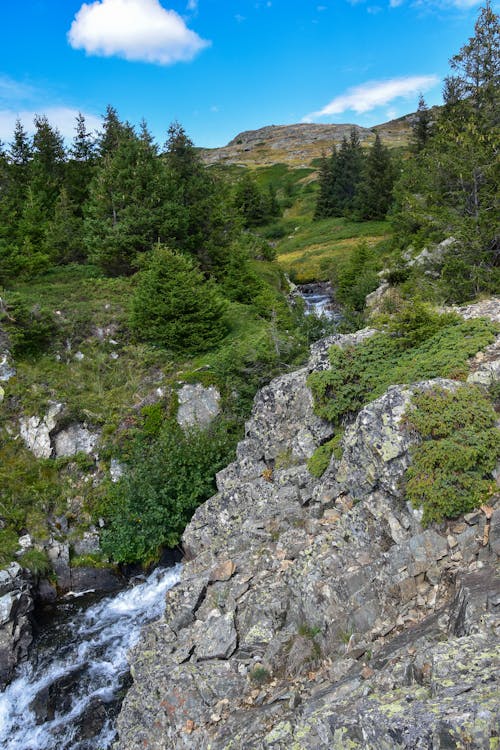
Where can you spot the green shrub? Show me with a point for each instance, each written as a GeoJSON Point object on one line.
{"type": "Point", "coordinates": [417, 322]}
{"type": "Point", "coordinates": [164, 484]}
{"type": "Point", "coordinates": [8, 545]}
{"type": "Point", "coordinates": [361, 374]}
{"type": "Point", "coordinates": [317, 464]}
{"type": "Point", "coordinates": [37, 561]}
{"type": "Point", "coordinates": [30, 328]}
{"type": "Point", "coordinates": [260, 675]}
{"type": "Point", "coordinates": [451, 468]}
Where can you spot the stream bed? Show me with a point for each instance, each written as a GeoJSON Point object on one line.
{"type": "Point", "coordinates": [68, 695]}
{"type": "Point", "coordinates": [319, 300]}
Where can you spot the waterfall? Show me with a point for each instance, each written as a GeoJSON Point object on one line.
{"type": "Point", "coordinates": [319, 300]}
{"type": "Point", "coordinates": [70, 691]}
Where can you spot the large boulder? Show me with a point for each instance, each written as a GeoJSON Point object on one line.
{"type": "Point", "coordinates": [45, 436]}
{"type": "Point", "coordinates": [198, 406]}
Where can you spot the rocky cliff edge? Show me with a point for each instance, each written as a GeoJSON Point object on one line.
{"type": "Point", "coordinates": [319, 613]}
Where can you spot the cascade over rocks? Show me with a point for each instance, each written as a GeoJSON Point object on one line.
{"type": "Point", "coordinates": [319, 613]}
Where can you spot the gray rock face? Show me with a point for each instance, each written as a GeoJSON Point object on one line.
{"type": "Point", "coordinates": [74, 439]}
{"type": "Point", "coordinates": [376, 447]}
{"type": "Point", "coordinates": [198, 405]}
{"type": "Point", "coordinates": [318, 613]}
{"type": "Point", "coordinates": [35, 431]}
{"type": "Point", "coordinates": [16, 605]}
{"type": "Point", "coordinates": [7, 370]}
{"type": "Point", "coordinates": [487, 308]}
{"type": "Point", "coordinates": [42, 437]}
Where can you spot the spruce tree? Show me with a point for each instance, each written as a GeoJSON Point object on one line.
{"type": "Point", "coordinates": [19, 157]}
{"type": "Point", "coordinates": [250, 202]}
{"type": "Point", "coordinates": [64, 236]}
{"type": "Point", "coordinates": [47, 166]}
{"type": "Point", "coordinates": [421, 128]}
{"type": "Point", "coordinates": [112, 131]}
{"type": "Point", "coordinates": [375, 192]}
{"type": "Point", "coordinates": [452, 189]}
{"type": "Point", "coordinates": [347, 172]}
{"type": "Point", "coordinates": [80, 166]}
{"type": "Point", "coordinates": [199, 217]}
{"type": "Point", "coordinates": [126, 204]}
{"type": "Point", "coordinates": [175, 307]}
{"type": "Point", "coordinates": [325, 204]}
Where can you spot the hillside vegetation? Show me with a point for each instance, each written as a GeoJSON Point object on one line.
{"type": "Point", "coordinates": [128, 271]}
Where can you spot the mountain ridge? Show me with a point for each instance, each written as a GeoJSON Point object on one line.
{"type": "Point", "coordinates": [298, 144]}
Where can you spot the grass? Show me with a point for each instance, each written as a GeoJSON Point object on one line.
{"type": "Point", "coordinates": [313, 250]}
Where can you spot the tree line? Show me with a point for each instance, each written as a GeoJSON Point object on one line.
{"type": "Point", "coordinates": [110, 197]}
{"type": "Point", "coordinates": [353, 184]}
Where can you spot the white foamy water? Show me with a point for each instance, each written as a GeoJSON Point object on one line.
{"type": "Point", "coordinates": [318, 300]}
{"type": "Point", "coordinates": [79, 668]}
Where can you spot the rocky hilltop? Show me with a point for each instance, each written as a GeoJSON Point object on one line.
{"type": "Point", "coordinates": [299, 144]}
{"type": "Point", "coordinates": [320, 613]}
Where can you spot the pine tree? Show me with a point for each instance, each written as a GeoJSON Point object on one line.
{"type": "Point", "coordinates": [375, 192]}
{"type": "Point", "coordinates": [80, 166]}
{"type": "Point", "coordinates": [124, 213]}
{"type": "Point", "coordinates": [47, 166]}
{"type": "Point", "coordinates": [421, 128]}
{"type": "Point", "coordinates": [325, 205]}
{"type": "Point", "coordinates": [175, 307]}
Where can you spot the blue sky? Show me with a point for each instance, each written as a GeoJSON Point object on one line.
{"type": "Point", "coordinates": [222, 67]}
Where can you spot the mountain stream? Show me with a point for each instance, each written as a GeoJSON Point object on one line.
{"type": "Point", "coordinates": [68, 694]}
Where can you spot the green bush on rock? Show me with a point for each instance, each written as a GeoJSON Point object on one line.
{"type": "Point", "coordinates": [451, 468]}
{"type": "Point", "coordinates": [419, 349]}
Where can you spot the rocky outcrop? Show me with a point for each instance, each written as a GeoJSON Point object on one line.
{"type": "Point", "coordinates": [198, 405]}
{"type": "Point", "coordinates": [46, 439]}
{"type": "Point", "coordinates": [76, 438]}
{"type": "Point", "coordinates": [298, 144]}
{"type": "Point", "coordinates": [16, 605]}
{"type": "Point", "coordinates": [36, 431]}
{"type": "Point", "coordinates": [319, 613]}
{"type": "Point", "coordinates": [7, 369]}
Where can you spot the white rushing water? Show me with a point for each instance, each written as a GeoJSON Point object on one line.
{"type": "Point", "coordinates": [318, 300]}
{"type": "Point", "coordinates": [79, 667]}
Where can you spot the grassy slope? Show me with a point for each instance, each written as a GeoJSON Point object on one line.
{"type": "Point", "coordinates": [310, 250]}
{"type": "Point", "coordinates": [105, 388]}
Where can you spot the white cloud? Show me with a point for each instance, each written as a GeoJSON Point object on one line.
{"type": "Point", "coordinates": [11, 90]}
{"type": "Point", "coordinates": [192, 5]}
{"type": "Point", "coordinates": [372, 94]}
{"type": "Point", "coordinates": [139, 30]}
{"type": "Point", "coordinates": [61, 117]}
